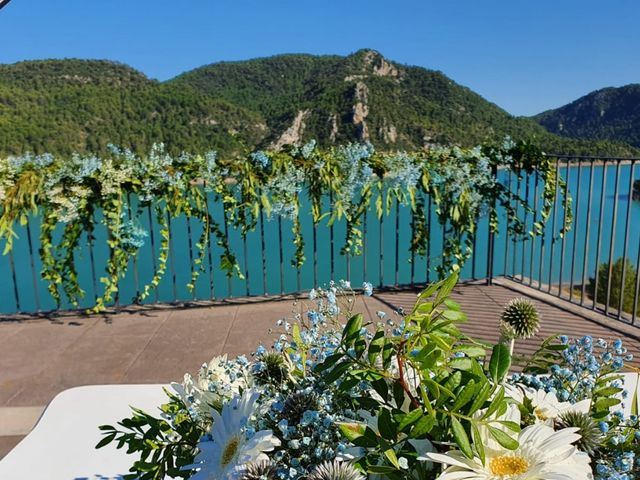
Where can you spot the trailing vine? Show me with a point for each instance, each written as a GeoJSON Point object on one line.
{"type": "Point", "coordinates": [163, 254]}
{"type": "Point", "coordinates": [73, 195]}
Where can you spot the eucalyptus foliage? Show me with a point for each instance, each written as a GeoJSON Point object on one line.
{"type": "Point", "coordinates": [79, 192]}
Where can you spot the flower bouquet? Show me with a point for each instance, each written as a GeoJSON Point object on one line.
{"type": "Point", "coordinates": [408, 397]}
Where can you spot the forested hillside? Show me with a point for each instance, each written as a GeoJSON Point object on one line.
{"type": "Point", "coordinates": [607, 114]}
{"type": "Point", "coordinates": [61, 106]}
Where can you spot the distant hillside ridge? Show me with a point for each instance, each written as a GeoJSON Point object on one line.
{"type": "Point", "coordinates": [608, 114]}
{"type": "Point", "coordinates": [64, 106]}
{"type": "Point", "coordinates": [69, 105]}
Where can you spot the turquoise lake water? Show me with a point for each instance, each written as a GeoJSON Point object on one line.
{"type": "Point", "coordinates": [380, 267]}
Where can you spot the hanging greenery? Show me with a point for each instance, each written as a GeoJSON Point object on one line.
{"type": "Point", "coordinates": [81, 191]}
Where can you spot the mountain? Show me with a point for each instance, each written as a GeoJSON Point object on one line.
{"type": "Point", "coordinates": [61, 106]}
{"type": "Point", "coordinates": [69, 105]}
{"type": "Point", "coordinates": [365, 97]}
{"type": "Point", "coordinates": [607, 114]}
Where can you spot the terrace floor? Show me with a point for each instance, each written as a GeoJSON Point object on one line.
{"type": "Point", "coordinates": [42, 357]}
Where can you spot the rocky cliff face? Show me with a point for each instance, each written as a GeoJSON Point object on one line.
{"type": "Point", "coordinates": [361, 97]}
{"type": "Point", "coordinates": [294, 134]}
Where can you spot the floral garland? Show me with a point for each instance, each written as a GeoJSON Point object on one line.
{"type": "Point", "coordinates": [410, 397]}
{"type": "Point", "coordinates": [81, 191]}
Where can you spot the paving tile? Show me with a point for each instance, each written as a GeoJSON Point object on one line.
{"type": "Point", "coordinates": [40, 358]}
{"type": "Point", "coordinates": [8, 329]}
{"type": "Point", "coordinates": [94, 360]}
{"type": "Point", "coordinates": [30, 350]}
{"type": "Point", "coordinates": [135, 323]}
{"type": "Point", "coordinates": [181, 344]}
{"type": "Point", "coordinates": [256, 324]}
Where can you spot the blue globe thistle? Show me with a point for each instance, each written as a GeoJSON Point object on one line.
{"type": "Point", "coordinates": [521, 317]}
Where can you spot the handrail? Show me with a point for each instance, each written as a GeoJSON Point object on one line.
{"type": "Point", "coordinates": [594, 266]}
{"type": "Point", "coordinates": [604, 239]}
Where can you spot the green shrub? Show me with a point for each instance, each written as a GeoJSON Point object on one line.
{"type": "Point", "coordinates": [630, 276]}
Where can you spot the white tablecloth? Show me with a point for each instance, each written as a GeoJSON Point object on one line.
{"type": "Point", "coordinates": [61, 445]}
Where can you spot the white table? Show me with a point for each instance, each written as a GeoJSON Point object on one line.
{"type": "Point", "coordinates": [61, 445]}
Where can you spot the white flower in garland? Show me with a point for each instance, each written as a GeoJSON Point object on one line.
{"type": "Point", "coordinates": [543, 454]}
{"type": "Point", "coordinates": [230, 446]}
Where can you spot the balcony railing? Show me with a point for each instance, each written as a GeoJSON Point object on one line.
{"type": "Point", "coordinates": [606, 228]}
{"type": "Point", "coordinates": [596, 264]}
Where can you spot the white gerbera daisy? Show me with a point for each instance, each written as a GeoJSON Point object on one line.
{"type": "Point", "coordinates": [226, 450]}
{"type": "Point", "coordinates": [543, 454]}
{"type": "Point", "coordinates": [546, 406]}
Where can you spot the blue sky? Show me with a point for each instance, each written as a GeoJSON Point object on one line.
{"type": "Point", "coordinates": [524, 55]}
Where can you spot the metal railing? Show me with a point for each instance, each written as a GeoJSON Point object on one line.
{"type": "Point", "coordinates": [606, 228]}
{"type": "Point", "coordinates": [596, 264]}
{"type": "Point", "coordinates": [264, 256]}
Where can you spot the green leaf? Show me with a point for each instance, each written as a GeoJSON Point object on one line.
{"type": "Point", "coordinates": [635, 400]}
{"type": "Point", "coordinates": [360, 345]}
{"type": "Point", "coordinates": [477, 442]}
{"type": "Point", "coordinates": [465, 396]}
{"type": "Point", "coordinates": [410, 418]}
{"type": "Point", "coordinates": [106, 440]}
{"type": "Point", "coordinates": [376, 345]}
{"type": "Point", "coordinates": [367, 440]}
{"type": "Point", "coordinates": [423, 426]}
{"type": "Point", "coordinates": [471, 350]}
{"type": "Point", "coordinates": [495, 404]}
{"type": "Point", "coordinates": [503, 438]}
{"type": "Point", "coordinates": [451, 305]}
{"type": "Point", "coordinates": [352, 430]}
{"type": "Point", "coordinates": [607, 391]}
{"type": "Point", "coordinates": [455, 315]}
{"type": "Point", "coordinates": [329, 362]}
{"type": "Point", "coordinates": [454, 381]}
{"type": "Point", "coordinates": [430, 360]}
{"type": "Point", "coordinates": [352, 328]}
{"type": "Point", "coordinates": [386, 427]}
{"type": "Point", "coordinates": [381, 388]}
{"type": "Point", "coordinates": [461, 363]}
{"type": "Point", "coordinates": [430, 290]}
{"type": "Point", "coordinates": [338, 371]}
{"type": "Point", "coordinates": [296, 335]}
{"type": "Point", "coordinates": [424, 352]}
{"type": "Point", "coordinates": [391, 456]}
{"type": "Point", "coordinates": [441, 343]}
{"type": "Point", "coordinates": [436, 389]}
{"type": "Point", "coordinates": [381, 469]}
{"type": "Point", "coordinates": [461, 438]}
{"type": "Point", "coordinates": [604, 404]}
{"type": "Point", "coordinates": [513, 426]}
{"type": "Point", "coordinates": [500, 362]}
{"type": "Point", "coordinates": [447, 287]}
